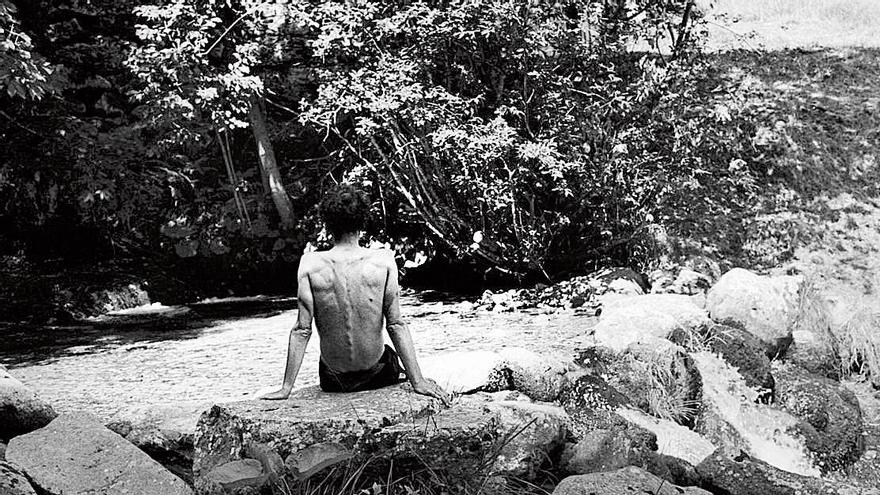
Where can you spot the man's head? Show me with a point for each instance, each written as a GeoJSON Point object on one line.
{"type": "Point", "coordinates": [344, 210]}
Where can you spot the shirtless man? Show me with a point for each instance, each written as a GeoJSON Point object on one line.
{"type": "Point", "coordinates": [350, 290]}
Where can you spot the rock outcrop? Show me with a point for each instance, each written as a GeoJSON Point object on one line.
{"type": "Point", "coordinates": [75, 453]}
{"type": "Point", "coordinates": [625, 481]}
{"type": "Point", "coordinates": [21, 410]}
{"type": "Point", "coordinates": [765, 306]}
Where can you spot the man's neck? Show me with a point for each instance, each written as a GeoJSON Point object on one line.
{"type": "Point", "coordinates": [347, 241]}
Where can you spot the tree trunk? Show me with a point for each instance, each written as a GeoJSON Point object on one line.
{"type": "Point", "coordinates": [268, 166]}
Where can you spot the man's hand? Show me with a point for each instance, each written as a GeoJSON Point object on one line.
{"type": "Point", "coordinates": [277, 395]}
{"type": "Point", "coordinates": [430, 388]}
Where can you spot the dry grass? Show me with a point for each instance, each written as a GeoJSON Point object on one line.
{"type": "Point", "coordinates": [776, 24]}
{"type": "Point", "coordinates": [858, 331]}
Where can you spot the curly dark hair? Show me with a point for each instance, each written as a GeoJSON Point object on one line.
{"type": "Point", "coordinates": [344, 209]}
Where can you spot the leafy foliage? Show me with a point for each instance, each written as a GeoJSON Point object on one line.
{"type": "Point", "coordinates": [523, 133]}
{"type": "Point", "coordinates": [23, 73]}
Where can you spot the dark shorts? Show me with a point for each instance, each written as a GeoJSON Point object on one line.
{"type": "Point", "coordinates": [384, 373]}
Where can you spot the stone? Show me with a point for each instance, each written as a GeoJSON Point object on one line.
{"type": "Point", "coordinates": [745, 352]}
{"type": "Point", "coordinates": [592, 405]}
{"type": "Point", "coordinates": [540, 431]}
{"type": "Point", "coordinates": [815, 352]}
{"type": "Point", "coordinates": [603, 450]}
{"type": "Point", "coordinates": [628, 319]}
{"type": "Point", "coordinates": [75, 453]}
{"type": "Point", "coordinates": [306, 462]}
{"type": "Point", "coordinates": [625, 481]}
{"type": "Point", "coordinates": [831, 415]}
{"type": "Point", "coordinates": [170, 448]}
{"type": "Point", "coordinates": [271, 461]}
{"type": "Point", "coordinates": [389, 426]}
{"type": "Point", "coordinates": [244, 476]}
{"type": "Point", "coordinates": [743, 475]}
{"type": "Point", "coordinates": [21, 410]}
{"type": "Point", "coordinates": [13, 481]}
{"type": "Point", "coordinates": [461, 372]}
{"type": "Point", "coordinates": [659, 378]}
{"type": "Point", "coordinates": [540, 377]}
{"type": "Point", "coordinates": [765, 306]}
{"type": "Point", "coordinates": [679, 281]}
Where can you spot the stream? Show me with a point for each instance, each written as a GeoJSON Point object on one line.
{"type": "Point", "coordinates": [173, 362]}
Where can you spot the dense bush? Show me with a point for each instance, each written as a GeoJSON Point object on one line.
{"type": "Point", "coordinates": [523, 133]}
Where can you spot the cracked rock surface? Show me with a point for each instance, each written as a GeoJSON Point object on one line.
{"type": "Point", "coordinates": [75, 453]}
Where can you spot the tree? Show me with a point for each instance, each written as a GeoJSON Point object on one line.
{"type": "Point", "coordinates": [202, 62]}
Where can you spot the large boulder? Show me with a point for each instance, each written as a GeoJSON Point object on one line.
{"type": "Point", "coordinates": [832, 419]}
{"type": "Point", "coordinates": [628, 319]}
{"type": "Point", "coordinates": [75, 453]}
{"type": "Point", "coordinates": [13, 481]}
{"type": "Point", "coordinates": [625, 481]}
{"type": "Point", "coordinates": [541, 377]}
{"type": "Point", "coordinates": [743, 475]}
{"type": "Point", "coordinates": [387, 427]}
{"type": "Point", "coordinates": [461, 372]}
{"type": "Point", "coordinates": [21, 410]}
{"type": "Point", "coordinates": [765, 306]}
{"type": "Point", "coordinates": [592, 405]}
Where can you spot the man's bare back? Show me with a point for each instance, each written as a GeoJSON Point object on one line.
{"type": "Point", "coordinates": [349, 288]}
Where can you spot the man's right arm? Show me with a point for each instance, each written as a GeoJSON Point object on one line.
{"type": "Point", "coordinates": [299, 335]}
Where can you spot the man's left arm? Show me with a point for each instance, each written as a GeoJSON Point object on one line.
{"type": "Point", "coordinates": [402, 339]}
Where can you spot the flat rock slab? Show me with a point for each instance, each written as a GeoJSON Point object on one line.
{"type": "Point", "coordinates": [314, 430]}
{"type": "Point", "coordinates": [308, 417]}
{"type": "Point", "coordinates": [75, 453]}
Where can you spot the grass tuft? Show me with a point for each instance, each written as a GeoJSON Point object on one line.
{"type": "Point", "coordinates": [859, 335]}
